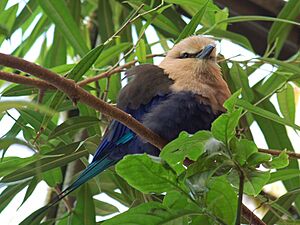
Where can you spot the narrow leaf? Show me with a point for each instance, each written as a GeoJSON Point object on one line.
{"type": "Point", "coordinates": [191, 27]}
{"type": "Point", "coordinates": [264, 113]}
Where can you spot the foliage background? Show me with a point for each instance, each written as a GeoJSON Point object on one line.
{"type": "Point", "coordinates": [73, 132]}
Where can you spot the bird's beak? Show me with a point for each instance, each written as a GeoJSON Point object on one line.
{"type": "Point", "coordinates": [205, 53]}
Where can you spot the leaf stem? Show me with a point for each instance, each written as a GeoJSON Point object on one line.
{"type": "Point", "coordinates": [241, 192]}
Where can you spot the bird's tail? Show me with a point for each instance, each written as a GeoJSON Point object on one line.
{"type": "Point", "coordinates": [91, 171]}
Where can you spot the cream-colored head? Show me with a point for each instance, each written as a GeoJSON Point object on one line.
{"type": "Point", "coordinates": [193, 66]}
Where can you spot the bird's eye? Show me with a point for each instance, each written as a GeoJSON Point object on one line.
{"type": "Point", "coordinates": [185, 55]}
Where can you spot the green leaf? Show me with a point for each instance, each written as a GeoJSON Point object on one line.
{"type": "Point", "coordinates": [234, 37]}
{"type": "Point", "coordinates": [243, 149]}
{"type": "Point", "coordinates": [286, 101]}
{"type": "Point", "coordinates": [280, 162]}
{"type": "Point", "coordinates": [9, 193]}
{"type": "Point", "coordinates": [277, 138]}
{"type": "Point", "coordinates": [10, 164]}
{"type": "Point", "coordinates": [274, 82]}
{"type": "Point", "coordinates": [59, 13]}
{"type": "Point", "coordinates": [42, 24]}
{"type": "Point", "coordinates": [6, 142]}
{"type": "Point", "coordinates": [279, 30]}
{"type": "Point", "coordinates": [31, 187]}
{"type": "Point", "coordinates": [25, 14]}
{"type": "Point", "coordinates": [111, 53]}
{"type": "Point", "coordinates": [264, 113]}
{"type": "Point", "coordinates": [221, 199]}
{"type": "Point", "coordinates": [185, 146]}
{"type": "Point", "coordinates": [202, 219]}
{"type": "Point", "coordinates": [258, 158]}
{"type": "Point", "coordinates": [192, 7]}
{"type": "Point", "coordinates": [19, 90]}
{"type": "Point", "coordinates": [58, 159]}
{"type": "Point", "coordinates": [57, 54]}
{"type": "Point", "coordinates": [73, 124]}
{"type": "Point", "coordinates": [84, 212]}
{"type": "Point", "coordinates": [284, 202]}
{"type": "Point", "coordinates": [6, 105]}
{"type": "Point", "coordinates": [85, 63]}
{"type": "Point", "coordinates": [223, 128]}
{"type": "Point", "coordinates": [36, 217]}
{"type": "Point", "coordinates": [3, 4]}
{"type": "Point", "coordinates": [91, 143]}
{"type": "Point", "coordinates": [145, 174]}
{"type": "Point", "coordinates": [175, 200]}
{"type": "Point", "coordinates": [141, 51]}
{"type": "Point", "coordinates": [53, 177]}
{"type": "Point", "coordinates": [284, 65]}
{"type": "Point", "coordinates": [105, 20]}
{"type": "Point", "coordinates": [285, 174]}
{"type": "Point", "coordinates": [151, 213]}
{"type": "Point", "coordinates": [230, 103]}
{"type": "Point", "coordinates": [7, 19]}
{"type": "Point", "coordinates": [191, 27]}
{"type": "Point", "coordinates": [254, 181]}
{"type": "Point", "coordinates": [161, 22]}
{"type": "Point", "coordinates": [238, 19]}
{"type": "Point", "coordinates": [104, 208]}
{"type": "Point", "coordinates": [240, 79]}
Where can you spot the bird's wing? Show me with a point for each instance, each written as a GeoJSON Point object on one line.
{"type": "Point", "coordinates": [149, 86]}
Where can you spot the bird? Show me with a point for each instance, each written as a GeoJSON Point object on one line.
{"type": "Point", "coordinates": [185, 92]}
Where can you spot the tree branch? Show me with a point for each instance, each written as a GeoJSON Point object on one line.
{"type": "Point", "coordinates": [19, 79]}
{"type": "Point", "coordinates": [76, 93]}
{"type": "Point", "coordinates": [292, 155]}
{"type": "Point", "coordinates": [16, 78]}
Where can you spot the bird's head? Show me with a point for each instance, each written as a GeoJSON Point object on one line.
{"type": "Point", "coordinates": [192, 64]}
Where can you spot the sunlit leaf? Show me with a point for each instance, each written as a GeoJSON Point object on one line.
{"type": "Point", "coordinates": [145, 174]}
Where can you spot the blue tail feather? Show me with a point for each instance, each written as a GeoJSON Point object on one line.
{"type": "Point", "coordinates": [91, 171]}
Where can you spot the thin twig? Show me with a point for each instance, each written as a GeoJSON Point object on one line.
{"type": "Point", "coordinates": [65, 200]}
{"type": "Point", "coordinates": [149, 11]}
{"type": "Point", "coordinates": [41, 95]}
{"type": "Point", "coordinates": [116, 70]}
{"type": "Point", "coordinates": [129, 21]}
{"type": "Point", "coordinates": [291, 154]}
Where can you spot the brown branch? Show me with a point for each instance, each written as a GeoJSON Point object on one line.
{"type": "Point", "coordinates": [113, 71]}
{"type": "Point", "coordinates": [16, 78]}
{"type": "Point", "coordinates": [251, 217]}
{"type": "Point", "coordinates": [106, 74]}
{"type": "Point", "coordinates": [291, 154]}
{"type": "Point", "coordinates": [76, 93]}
